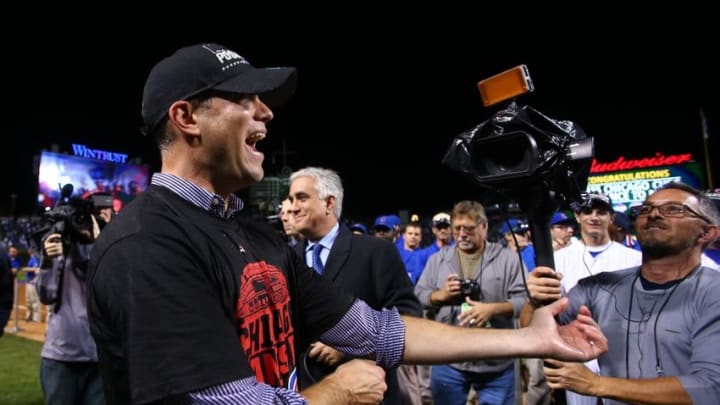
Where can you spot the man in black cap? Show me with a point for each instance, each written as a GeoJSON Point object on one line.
{"type": "Point", "coordinates": [190, 303]}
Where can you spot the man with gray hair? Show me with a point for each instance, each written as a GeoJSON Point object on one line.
{"type": "Point", "coordinates": [362, 265]}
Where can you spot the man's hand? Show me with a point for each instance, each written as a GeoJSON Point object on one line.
{"type": "Point", "coordinates": [580, 340]}
{"type": "Point", "coordinates": [570, 376]}
{"type": "Point", "coordinates": [53, 245]}
{"type": "Point", "coordinates": [450, 292]}
{"type": "Point", "coordinates": [325, 354]}
{"type": "Point", "coordinates": [477, 315]}
{"type": "Point", "coordinates": [544, 284]}
{"type": "Point", "coordinates": [355, 382]}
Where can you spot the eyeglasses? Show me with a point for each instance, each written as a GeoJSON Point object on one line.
{"type": "Point", "coordinates": [466, 228]}
{"type": "Point", "coordinates": [670, 210]}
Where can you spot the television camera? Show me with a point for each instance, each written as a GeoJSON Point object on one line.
{"type": "Point", "coordinates": [72, 217]}
{"type": "Point", "coordinates": [524, 156]}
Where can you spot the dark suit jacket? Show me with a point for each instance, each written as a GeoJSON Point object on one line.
{"type": "Point", "coordinates": [372, 270]}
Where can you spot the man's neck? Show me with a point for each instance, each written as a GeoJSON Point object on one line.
{"type": "Point", "coordinates": [410, 248]}
{"type": "Point", "coordinates": [670, 268]}
{"type": "Point", "coordinates": [315, 235]}
{"type": "Point", "coordinates": [474, 253]}
{"type": "Point", "coordinates": [595, 239]}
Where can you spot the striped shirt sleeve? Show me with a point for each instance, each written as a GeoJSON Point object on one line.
{"type": "Point", "coordinates": [247, 391]}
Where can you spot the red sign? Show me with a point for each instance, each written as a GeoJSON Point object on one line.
{"type": "Point", "coordinates": [627, 164]}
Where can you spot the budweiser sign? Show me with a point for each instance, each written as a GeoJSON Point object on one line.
{"type": "Point", "coordinates": [628, 164]}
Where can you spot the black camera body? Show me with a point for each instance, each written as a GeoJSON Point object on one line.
{"type": "Point", "coordinates": [72, 217]}
{"type": "Point", "coordinates": [72, 220]}
{"type": "Point", "coordinates": [470, 288]}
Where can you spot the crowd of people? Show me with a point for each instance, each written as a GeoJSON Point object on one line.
{"type": "Point", "coordinates": [183, 299]}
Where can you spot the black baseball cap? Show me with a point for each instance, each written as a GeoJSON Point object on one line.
{"type": "Point", "coordinates": [197, 68]}
{"type": "Point", "coordinates": [592, 200]}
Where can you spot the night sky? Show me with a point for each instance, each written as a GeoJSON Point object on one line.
{"type": "Point", "coordinates": [379, 104]}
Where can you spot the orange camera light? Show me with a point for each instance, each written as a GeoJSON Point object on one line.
{"type": "Point", "coordinates": [505, 85]}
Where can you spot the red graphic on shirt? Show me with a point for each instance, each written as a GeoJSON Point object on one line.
{"type": "Point", "coordinates": [264, 325]}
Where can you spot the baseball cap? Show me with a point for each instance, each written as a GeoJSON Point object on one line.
{"type": "Point", "coordinates": [387, 221]}
{"type": "Point", "coordinates": [623, 221]}
{"type": "Point", "coordinates": [516, 225]}
{"type": "Point", "coordinates": [441, 219]}
{"type": "Point", "coordinates": [559, 217]}
{"type": "Point", "coordinates": [197, 68]}
{"type": "Point", "coordinates": [359, 227]}
{"type": "Point", "coordinates": [592, 200]}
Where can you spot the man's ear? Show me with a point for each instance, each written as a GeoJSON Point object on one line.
{"type": "Point", "coordinates": [180, 114]}
{"type": "Point", "coordinates": [709, 234]}
{"type": "Point", "coordinates": [330, 202]}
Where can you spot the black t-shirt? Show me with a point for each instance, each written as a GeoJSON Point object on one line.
{"type": "Point", "coordinates": [181, 300]}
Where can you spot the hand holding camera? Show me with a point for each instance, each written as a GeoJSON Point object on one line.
{"type": "Point", "coordinates": [450, 292]}
{"type": "Point", "coordinates": [53, 245]}
{"type": "Point", "coordinates": [455, 291]}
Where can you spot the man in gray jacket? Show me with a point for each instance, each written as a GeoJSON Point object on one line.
{"type": "Point", "coordinates": [69, 372]}
{"type": "Point", "coordinates": [475, 283]}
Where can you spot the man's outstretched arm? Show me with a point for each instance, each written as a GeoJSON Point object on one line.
{"type": "Point", "coordinates": [580, 340]}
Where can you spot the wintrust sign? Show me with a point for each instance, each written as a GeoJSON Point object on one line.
{"type": "Point", "coordinates": [84, 151]}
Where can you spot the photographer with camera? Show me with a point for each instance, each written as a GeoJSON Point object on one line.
{"type": "Point", "coordinates": [475, 283]}
{"type": "Point", "coordinates": [69, 367]}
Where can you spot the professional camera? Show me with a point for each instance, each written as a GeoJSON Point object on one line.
{"type": "Point", "coordinates": [72, 217]}
{"type": "Point", "coordinates": [470, 288]}
{"type": "Point", "coordinates": [524, 156]}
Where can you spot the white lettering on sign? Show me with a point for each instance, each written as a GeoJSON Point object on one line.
{"type": "Point", "coordinates": [622, 187]}
{"type": "Point", "coordinates": [84, 151]}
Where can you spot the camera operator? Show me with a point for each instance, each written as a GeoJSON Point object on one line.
{"type": "Point", "coordinates": [474, 283]}
{"type": "Point", "coordinates": [69, 368]}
